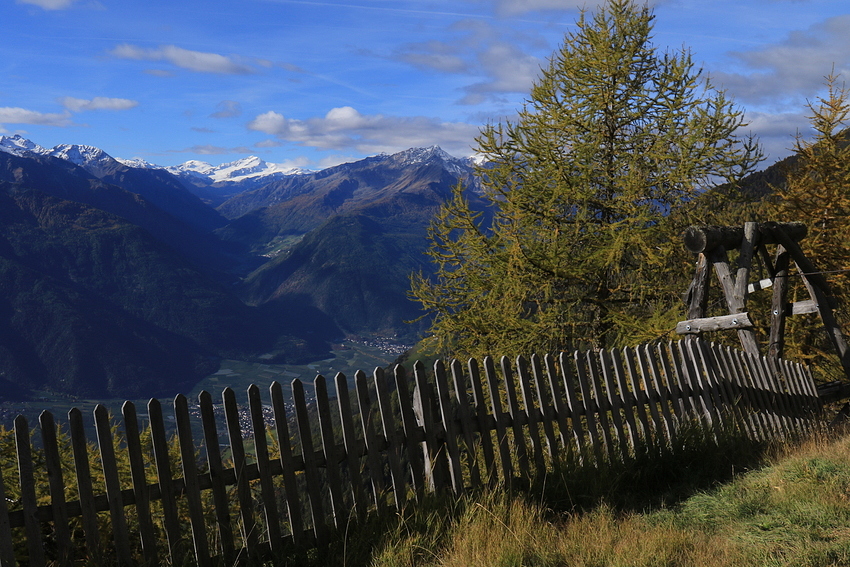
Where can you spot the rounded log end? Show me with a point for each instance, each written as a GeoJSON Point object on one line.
{"type": "Point", "coordinates": [695, 239]}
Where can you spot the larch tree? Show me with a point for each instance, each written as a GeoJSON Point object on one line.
{"type": "Point", "coordinates": [816, 191]}
{"type": "Point", "coordinates": [578, 242]}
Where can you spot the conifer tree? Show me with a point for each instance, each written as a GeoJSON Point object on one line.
{"type": "Point", "coordinates": [614, 138]}
{"type": "Point", "coordinates": [816, 191]}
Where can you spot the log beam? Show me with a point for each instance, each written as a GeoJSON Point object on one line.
{"type": "Point", "coordinates": [703, 239]}
{"type": "Point", "coordinates": [707, 324]}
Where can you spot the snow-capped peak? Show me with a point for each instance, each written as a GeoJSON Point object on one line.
{"type": "Point", "coordinates": [414, 156]}
{"type": "Point", "coordinates": [239, 170]}
{"type": "Point", "coordinates": [79, 154]}
{"type": "Point", "coordinates": [420, 155]}
{"type": "Point", "coordinates": [19, 146]}
{"type": "Point", "coordinates": [137, 163]}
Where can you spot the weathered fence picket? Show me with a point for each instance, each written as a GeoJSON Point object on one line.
{"type": "Point", "coordinates": [405, 436]}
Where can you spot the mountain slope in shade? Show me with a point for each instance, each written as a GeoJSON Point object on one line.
{"type": "Point", "coordinates": [352, 270]}
{"type": "Point", "coordinates": [91, 304]}
{"type": "Point", "coordinates": [155, 185]}
{"type": "Point", "coordinates": [403, 190]}
{"type": "Point", "coordinates": [348, 185]}
{"type": "Point", "coordinates": [365, 231]}
{"type": "Point", "coordinates": [64, 180]}
{"type": "Point", "coordinates": [57, 332]}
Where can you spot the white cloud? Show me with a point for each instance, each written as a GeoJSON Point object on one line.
{"type": "Point", "coordinates": [227, 109]}
{"type": "Point", "coordinates": [498, 62]}
{"type": "Point", "coordinates": [211, 150]}
{"type": "Point", "coordinates": [97, 103]}
{"type": "Point", "coordinates": [794, 67]}
{"type": "Point", "coordinates": [14, 115]}
{"type": "Point", "coordinates": [198, 61]}
{"type": "Point", "coordinates": [49, 4]}
{"type": "Point", "coordinates": [345, 128]}
{"type": "Point", "coordinates": [508, 70]}
{"type": "Point", "coordinates": [776, 132]}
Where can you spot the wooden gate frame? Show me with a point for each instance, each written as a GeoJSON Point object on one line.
{"type": "Point", "coordinates": [711, 244]}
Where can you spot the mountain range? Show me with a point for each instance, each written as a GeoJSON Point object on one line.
{"type": "Point", "coordinates": [124, 279]}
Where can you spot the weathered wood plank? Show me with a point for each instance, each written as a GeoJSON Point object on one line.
{"type": "Point", "coordinates": [652, 398]}
{"type": "Point", "coordinates": [412, 433]}
{"type": "Point", "coordinates": [27, 484]}
{"type": "Point", "coordinates": [465, 420]}
{"type": "Point", "coordinates": [79, 447]}
{"type": "Point", "coordinates": [447, 416]}
{"type": "Point", "coordinates": [765, 393]}
{"type": "Point", "coordinates": [224, 526]}
{"type": "Point", "coordinates": [547, 410]}
{"type": "Point", "coordinates": [615, 402]}
{"type": "Point", "coordinates": [389, 427]}
{"type": "Point", "coordinates": [709, 324]}
{"type": "Point", "coordinates": [735, 302]}
{"type": "Point", "coordinates": [7, 548]}
{"type": "Point", "coordinates": [485, 422]}
{"type": "Point", "coordinates": [590, 406]}
{"type": "Point", "coordinates": [697, 296]}
{"type": "Point", "coordinates": [502, 441]}
{"type": "Point", "coordinates": [287, 464]}
{"type": "Point", "coordinates": [819, 291]}
{"type": "Point", "coordinates": [758, 397]}
{"type": "Point", "coordinates": [674, 391]}
{"type": "Point", "coordinates": [735, 395]}
{"type": "Point", "coordinates": [353, 446]}
{"type": "Point", "coordinates": [103, 426]}
{"type": "Point", "coordinates": [682, 383]}
{"type": "Point", "coordinates": [192, 490]}
{"type": "Point", "coordinates": [520, 448]}
{"type": "Point", "coordinates": [433, 448]}
{"type": "Point", "coordinates": [374, 459]}
{"type": "Point", "coordinates": [55, 479]}
{"type": "Point", "coordinates": [240, 465]}
{"type": "Point", "coordinates": [576, 406]}
{"type": "Point", "coordinates": [702, 377]}
{"type": "Point", "coordinates": [601, 405]}
{"type": "Point", "coordinates": [701, 394]}
{"type": "Point", "coordinates": [141, 491]}
{"type": "Point", "coordinates": [797, 399]}
{"type": "Point", "coordinates": [311, 471]}
{"type": "Point", "coordinates": [745, 260]}
{"type": "Point", "coordinates": [627, 400]}
{"type": "Point", "coordinates": [640, 399]}
{"type": "Point", "coordinates": [332, 471]}
{"type": "Point", "coordinates": [660, 384]}
{"type": "Point", "coordinates": [562, 410]}
{"type": "Point", "coordinates": [532, 415]}
{"type": "Point", "coordinates": [261, 455]}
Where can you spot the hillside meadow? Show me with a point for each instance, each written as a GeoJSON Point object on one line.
{"type": "Point", "coordinates": [791, 507]}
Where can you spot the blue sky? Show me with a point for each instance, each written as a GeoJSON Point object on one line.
{"type": "Point", "coordinates": [315, 83]}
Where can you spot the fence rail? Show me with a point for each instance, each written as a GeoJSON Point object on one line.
{"type": "Point", "coordinates": [260, 491]}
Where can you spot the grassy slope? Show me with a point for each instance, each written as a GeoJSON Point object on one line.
{"type": "Point", "coordinates": [794, 509]}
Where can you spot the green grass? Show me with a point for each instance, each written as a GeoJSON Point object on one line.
{"type": "Point", "coordinates": [791, 509]}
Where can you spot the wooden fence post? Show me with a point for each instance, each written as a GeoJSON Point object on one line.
{"type": "Point", "coordinates": [27, 484]}
{"type": "Point", "coordinates": [57, 488]}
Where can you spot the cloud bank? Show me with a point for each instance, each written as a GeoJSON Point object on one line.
{"type": "Point", "coordinates": [345, 128]}
{"type": "Point", "coordinates": [97, 103]}
{"type": "Point", "coordinates": [15, 115]}
{"type": "Point", "coordinates": [197, 61]}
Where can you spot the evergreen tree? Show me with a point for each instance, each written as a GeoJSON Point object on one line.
{"type": "Point", "coordinates": [816, 191]}
{"type": "Point", "coordinates": [613, 139]}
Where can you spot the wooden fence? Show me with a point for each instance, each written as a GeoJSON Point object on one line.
{"type": "Point", "coordinates": [305, 469]}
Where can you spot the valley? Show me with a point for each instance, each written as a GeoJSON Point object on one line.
{"type": "Point", "coordinates": [120, 279]}
{"type": "Point", "coordinates": [348, 357]}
